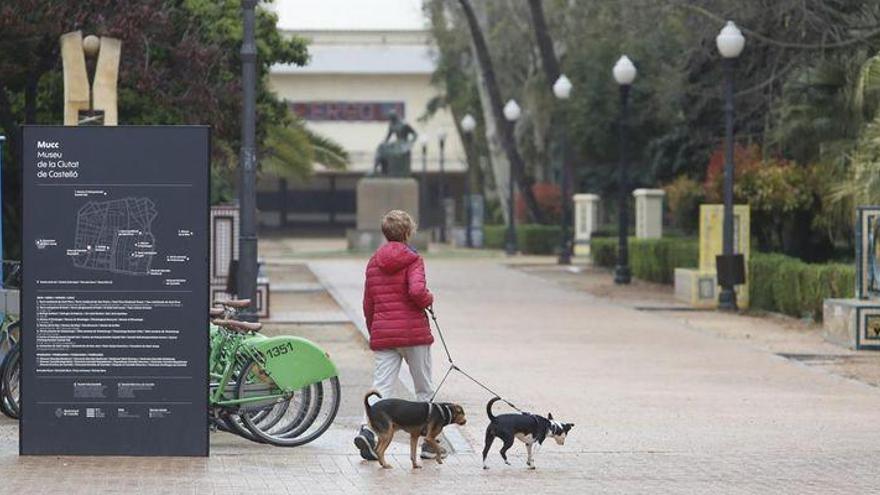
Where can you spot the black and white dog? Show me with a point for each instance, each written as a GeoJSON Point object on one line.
{"type": "Point", "coordinates": [528, 428]}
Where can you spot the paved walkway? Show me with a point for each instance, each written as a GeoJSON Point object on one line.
{"type": "Point", "coordinates": [659, 406]}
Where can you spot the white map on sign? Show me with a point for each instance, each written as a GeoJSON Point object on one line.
{"type": "Point", "coordinates": [116, 236]}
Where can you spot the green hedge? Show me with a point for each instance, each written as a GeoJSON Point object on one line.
{"type": "Point", "coordinates": [532, 238]}
{"type": "Point", "coordinates": [777, 282]}
{"type": "Point", "coordinates": [654, 260]}
{"type": "Point", "coordinates": [788, 285]}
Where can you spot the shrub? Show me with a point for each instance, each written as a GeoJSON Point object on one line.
{"type": "Point", "coordinates": [788, 285]}
{"type": "Point", "coordinates": [538, 239]}
{"type": "Point", "coordinates": [603, 251]}
{"type": "Point", "coordinates": [493, 236]}
{"type": "Point", "coordinates": [684, 196]}
{"type": "Point", "coordinates": [654, 260]}
{"type": "Point", "coordinates": [777, 282]}
{"type": "Point", "coordinates": [531, 238]}
{"type": "Point", "coordinates": [549, 199]}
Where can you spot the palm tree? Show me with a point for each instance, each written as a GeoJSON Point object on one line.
{"type": "Point", "coordinates": [291, 151]}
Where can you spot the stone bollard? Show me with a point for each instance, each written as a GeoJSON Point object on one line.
{"type": "Point", "coordinates": [649, 213]}
{"type": "Point", "coordinates": [586, 221]}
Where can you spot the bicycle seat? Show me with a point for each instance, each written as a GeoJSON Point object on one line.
{"type": "Point", "coordinates": [239, 326]}
{"type": "Point", "coordinates": [234, 303]}
{"type": "Point", "coordinates": [213, 312]}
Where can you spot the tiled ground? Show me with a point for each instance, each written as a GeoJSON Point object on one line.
{"type": "Point", "coordinates": [660, 406]}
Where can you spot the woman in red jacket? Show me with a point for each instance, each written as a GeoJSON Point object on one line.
{"type": "Point", "coordinates": [395, 298]}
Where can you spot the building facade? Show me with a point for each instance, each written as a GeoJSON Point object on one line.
{"type": "Point", "coordinates": [356, 76]}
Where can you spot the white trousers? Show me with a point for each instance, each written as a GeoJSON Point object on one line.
{"type": "Point", "coordinates": [387, 368]}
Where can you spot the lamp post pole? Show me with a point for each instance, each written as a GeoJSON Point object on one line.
{"type": "Point", "coordinates": [511, 113]}
{"type": "Point", "coordinates": [622, 273]}
{"type": "Point", "coordinates": [442, 186]}
{"type": "Point", "coordinates": [423, 185]}
{"type": "Point", "coordinates": [468, 224]}
{"type": "Point", "coordinates": [730, 42]}
{"type": "Point", "coordinates": [727, 296]}
{"type": "Point", "coordinates": [468, 124]}
{"type": "Point", "coordinates": [624, 73]}
{"type": "Point", "coordinates": [247, 262]}
{"type": "Point", "coordinates": [562, 91]}
{"type": "Point", "coordinates": [2, 274]}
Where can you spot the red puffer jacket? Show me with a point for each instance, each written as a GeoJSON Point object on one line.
{"type": "Point", "coordinates": [395, 298]}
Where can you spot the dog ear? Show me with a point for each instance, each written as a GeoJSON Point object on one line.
{"type": "Point", "coordinates": [550, 416]}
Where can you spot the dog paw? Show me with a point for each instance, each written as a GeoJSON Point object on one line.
{"type": "Point", "coordinates": [417, 466]}
{"type": "Point", "coordinates": [507, 462]}
{"type": "Point", "coordinates": [485, 467]}
{"type": "Point", "coordinates": [532, 466]}
{"type": "Point", "coordinates": [387, 466]}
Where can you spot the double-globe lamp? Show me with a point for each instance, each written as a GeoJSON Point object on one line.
{"type": "Point", "coordinates": [624, 73]}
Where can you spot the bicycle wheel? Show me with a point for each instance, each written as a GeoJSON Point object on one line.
{"type": "Point", "coordinates": [11, 381]}
{"type": "Point", "coordinates": [306, 414]}
{"type": "Point", "coordinates": [5, 405]}
{"type": "Point", "coordinates": [275, 418]}
{"type": "Point", "coordinates": [233, 424]}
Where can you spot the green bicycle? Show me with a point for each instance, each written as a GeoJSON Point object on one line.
{"type": "Point", "coordinates": [10, 366]}
{"type": "Point", "coordinates": [281, 390]}
{"type": "Point", "coordinates": [10, 348]}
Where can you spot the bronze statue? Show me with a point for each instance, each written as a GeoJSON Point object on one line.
{"type": "Point", "coordinates": [393, 157]}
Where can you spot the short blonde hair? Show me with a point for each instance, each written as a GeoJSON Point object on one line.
{"type": "Point", "coordinates": [398, 226]}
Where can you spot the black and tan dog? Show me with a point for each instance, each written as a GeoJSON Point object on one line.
{"type": "Point", "coordinates": [419, 419]}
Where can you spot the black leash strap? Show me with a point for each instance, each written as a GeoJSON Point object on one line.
{"type": "Point", "coordinates": [453, 366]}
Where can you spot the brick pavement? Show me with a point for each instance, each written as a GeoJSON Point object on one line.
{"type": "Point", "coordinates": [659, 407]}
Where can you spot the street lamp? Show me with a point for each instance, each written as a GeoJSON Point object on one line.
{"type": "Point", "coordinates": [442, 185]}
{"type": "Point", "coordinates": [624, 73]}
{"type": "Point", "coordinates": [247, 259]}
{"type": "Point", "coordinates": [468, 124]}
{"type": "Point", "coordinates": [562, 91]}
{"type": "Point", "coordinates": [729, 267]}
{"type": "Point", "coordinates": [423, 184]}
{"type": "Point", "coordinates": [511, 113]}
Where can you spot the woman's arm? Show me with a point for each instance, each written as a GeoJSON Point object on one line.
{"type": "Point", "coordinates": [418, 287]}
{"type": "Point", "coordinates": [368, 305]}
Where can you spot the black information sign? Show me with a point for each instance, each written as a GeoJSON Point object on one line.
{"type": "Point", "coordinates": [115, 290]}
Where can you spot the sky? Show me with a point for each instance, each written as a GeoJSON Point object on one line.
{"type": "Point", "coordinates": [349, 14]}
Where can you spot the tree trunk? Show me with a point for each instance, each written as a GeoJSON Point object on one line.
{"type": "Point", "coordinates": [550, 65]}
{"type": "Point", "coordinates": [499, 165]}
{"type": "Point", "coordinates": [30, 99]}
{"type": "Point", "coordinates": [508, 142]}
{"type": "Point", "coordinates": [545, 44]}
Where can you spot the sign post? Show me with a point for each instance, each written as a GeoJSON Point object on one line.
{"type": "Point", "coordinates": [2, 275]}
{"type": "Point", "coordinates": [115, 290]}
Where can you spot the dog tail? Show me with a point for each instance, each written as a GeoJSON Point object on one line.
{"type": "Point", "coordinates": [489, 404]}
{"type": "Point", "coordinates": [367, 407]}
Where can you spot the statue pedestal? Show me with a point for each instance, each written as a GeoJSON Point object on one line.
{"type": "Point", "coordinates": [376, 196]}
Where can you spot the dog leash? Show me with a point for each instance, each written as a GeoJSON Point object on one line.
{"type": "Point", "coordinates": [453, 366]}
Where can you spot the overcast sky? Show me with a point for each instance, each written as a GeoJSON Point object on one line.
{"type": "Point", "coordinates": [349, 14]}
